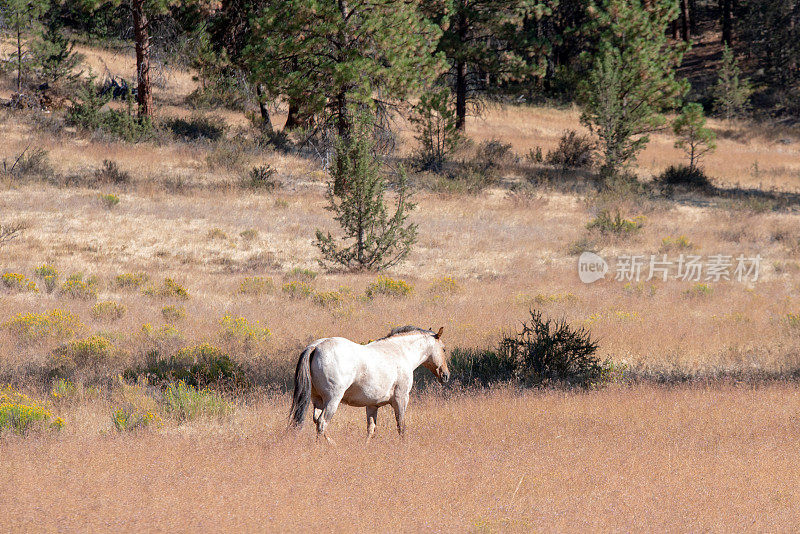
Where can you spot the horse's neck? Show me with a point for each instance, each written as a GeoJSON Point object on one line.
{"type": "Point", "coordinates": [412, 348]}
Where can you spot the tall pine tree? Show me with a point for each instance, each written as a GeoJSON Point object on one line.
{"type": "Point", "coordinates": [632, 80]}
{"type": "Point", "coordinates": [332, 57]}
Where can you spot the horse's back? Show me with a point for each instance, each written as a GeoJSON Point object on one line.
{"type": "Point", "coordinates": [359, 374]}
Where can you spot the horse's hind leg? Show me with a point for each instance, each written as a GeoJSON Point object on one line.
{"type": "Point", "coordinates": [372, 421]}
{"type": "Point", "coordinates": [325, 418]}
{"type": "Point", "coordinates": [317, 401]}
{"type": "Point", "coordinates": [399, 403]}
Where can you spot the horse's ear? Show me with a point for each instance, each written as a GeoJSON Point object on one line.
{"type": "Point", "coordinates": [438, 334]}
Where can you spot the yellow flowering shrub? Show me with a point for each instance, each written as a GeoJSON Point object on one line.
{"type": "Point", "coordinates": [48, 274]}
{"type": "Point", "coordinates": [55, 324]}
{"type": "Point", "coordinates": [131, 280]}
{"type": "Point", "coordinates": [20, 413]}
{"type": "Point", "coordinates": [19, 282]}
{"type": "Point", "coordinates": [256, 285]}
{"type": "Point", "coordinates": [388, 287]}
{"type": "Point", "coordinates": [169, 288]}
{"type": "Point", "coordinates": [91, 353]}
{"type": "Point", "coordinates": [79, 288]}
{"type": "Point", "coordinates": [298, 290]}
{"type": "Point", "coordinates": [241, 330]}
{"type": "Point", "coordinates": [108, 311]}
{"type": "Point", "coordinates": [173, 313]}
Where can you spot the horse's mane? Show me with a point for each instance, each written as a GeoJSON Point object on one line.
{"type": "Point", "coordinates": [408, 329]}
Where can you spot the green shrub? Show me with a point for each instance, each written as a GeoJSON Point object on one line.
{"type": "Point", "coordinates": [480, 367]}
{"type": "Point", "coordinates": [48, 274]}
{"type": "Point", "coordinates": [606, 223]}
{"type": "Point", "coordinates": [169, 289]}
{"type": "Point", "coordinates": [262, 177]}
{"type": "Point", "coordinates": [551, 352]}
{"type": "Point", "coordinates": [110, 173]}
{"type": "Point", "coordinates": [173, 313]}
{"type": "Point", "coordinates": [388, 287]}
{"type": "Point", "coordinates": [297, 289]}
{"type": "Point", "coordinates": [187, 402]}
{"type": "Point", "coordinates": [699, 290]}
{"type": "Point", "coordinates": [676, 243]}
{"type": "Point", "coordinates": [249, 234]}
{"type": "Point", "coordinates": [76, 287]}
{"type": "Point", "coordinates": [217, 233]}
{"type": "Point", "coordinates": [89, 112]}
{"type": "Point", "coordinates": [200, 366]}
{"type": "Point", "coordinates": [55, 324]}
{"type": "Point", "coordinates": [108, 311]}
{"type": "Point", "coordinates": [87, 355]}
{"type": "Point", "coordinates": [242, 331]}
{"type": "Point", "coordinates": [574, 151]}
{"type": "Point", "coordinates": [108, 200]}
{"type": "Point", "coordinates": [131, 280]}
{"type": "Point", "coordinates": [197, 128]}
{"type": "Point", "coordinates": [328, 299]}
{"type": "Point", "coordinates": [19, 282]}
{"type": "Point", "coordinates": [683, 175]}
{"type": "Point", "coordinates": [20, 413]}
{"type": "Point", "coordinates": [130, 419]}
{"type": "Point", "coordinates": [256, 285]}
{"type": "Point", "coordinates": [64, 390]}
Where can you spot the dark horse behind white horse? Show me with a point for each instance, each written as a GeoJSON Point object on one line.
{"type": "Point", "coordinates": [336, 370]}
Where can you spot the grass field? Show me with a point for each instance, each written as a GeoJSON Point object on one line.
{"type": "Point", "coordinates": [714, 449]}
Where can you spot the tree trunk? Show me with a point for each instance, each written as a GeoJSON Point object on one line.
{"type": "Point", "coordinates": [685, 20]}
{"type": "Point", "coordinates": [262, 106]}
{"type": "Point", "coordinates": [461, 96]}
{"type": "Point", "coordinates": [693, 16]}
{"type": "Point", "coordinates": [342, 116]}
{"type": "Point", "coordinates": [293, 118]}
{"type": "Point", "coordinates": [726, 6]}
{"type": "Point", "coordinates": [19, 57]}
{"type": "Point", "coordinates": [141, 35]}
{"type": "Point", "coordinates": [674, 28]}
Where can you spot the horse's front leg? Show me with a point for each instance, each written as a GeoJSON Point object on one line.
{"type": "Point", "coordinates": [399, 403]}
{"type": "Point", "coordinates": [372, 421]}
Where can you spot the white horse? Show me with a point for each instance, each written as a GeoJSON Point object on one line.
{"type": "Point", "coordinates": [336, 370]}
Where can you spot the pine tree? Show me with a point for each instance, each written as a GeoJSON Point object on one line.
{"type": "Point", "coordinates": [487, 38]}
{"type": "Point", "coordinates": [632, 78]}
{"type": "Point", "coordinates": [435, 120]}
{"type": "Point", "coordinates": [21, 17]}
{"type": "Point", "coordinates": [376, 241]}
{"type": "Point", "coordinates": [693, 137]}
{"type": "Point", "coordinates": [332, 58]}
{"type": "Point", "coordinates": [54, 54]}
{"type": "Point", "coordinates": [732, 92]}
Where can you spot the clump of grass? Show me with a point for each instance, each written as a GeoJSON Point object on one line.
{"type": "Point", "coordinates": [262, 177]}
{"type": "Point", "coordinates": [249, 235]}
{"type": "Point", "coordinates": [64, 390]}
{"type": "Point", "coordinates": [130, 419]}
{"type": "Point", "coordinates": [36, 327]}
{"type": "Point", "coordinates": [699, 291]}
{"type": "Point", "coordinates": [256, 285]}
{"type": "Point", "coordinates": [298, 290]}
{"type": "Point", "coordinates": [136, 409]}
{"type": "Point", "coordinates": [676, 243]}
{"type": "Point", "coordinates": [187, 402]}
{"type": "Point", "coordinates": [388, 287]}
{"type": "Point", "coordinates": [48, 274]}
{"type": "Point", "coordinates": [110, 173]}
{"type": "Point", "coordinates": [299, 273]}
{"type": "Point", "coordinates": [108, 200]}
{"type": "Point", "coordinates": [169, 288]}
{"type": "Point", "coordinates": [20, 413]}
{"type": "Point", "coordinates": [173, 313]}
{"type": "Point", "coordinates": [131, 280]}
{"type": "Point", "coordinates": [793, 320]}
{"type": "Point", "coordinates": [79, 288]}
{"type": "Point", "coordinates": [89, 354]}
{"type": "Point", "coordinates": [542, 299]}
{"type": "Point", "coordinates": [606, 223]}
{"type": "Point", "coordinates": [445, 286]}
{"type": "Point", "coordinates": [108, 311]}
{"type": "Point", "coordinates": [217, 233]}
{"type": "Point", "coordinates": [19, 282]}
{"type": "Point", "coordinates": [243, 331]}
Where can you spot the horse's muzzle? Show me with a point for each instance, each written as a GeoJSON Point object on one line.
{"type": "Point", "coordinates": [444, 377]}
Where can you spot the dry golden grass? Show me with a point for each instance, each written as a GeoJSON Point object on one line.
{"type": "Point", "coordinates": [641, 459]}
{"type": "Point", "coordinates": [632, 458]}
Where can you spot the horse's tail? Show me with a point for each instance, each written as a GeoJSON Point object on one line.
{"type": "Point", "coordinates": [302, 388]}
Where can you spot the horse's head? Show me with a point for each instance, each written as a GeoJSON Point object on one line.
{"type": "Point", "coordinates": [436, 361]}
